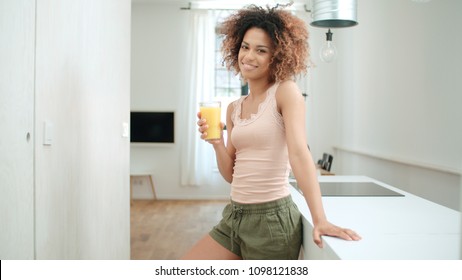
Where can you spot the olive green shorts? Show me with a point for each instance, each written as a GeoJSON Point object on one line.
{"type": "Point", "coordinates": [270, 230]}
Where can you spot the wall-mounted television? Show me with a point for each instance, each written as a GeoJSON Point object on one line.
{"type": "Point", "coordinates": [152, 127]}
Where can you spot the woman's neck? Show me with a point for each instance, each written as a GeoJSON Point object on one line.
{"type": "Point", "coordinates": [258, 88]}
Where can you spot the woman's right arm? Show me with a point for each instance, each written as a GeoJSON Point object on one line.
{"type": "Point", "coordinates": [225, 154]}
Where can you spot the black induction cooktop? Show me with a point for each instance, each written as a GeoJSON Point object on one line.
{"type": "Point", "coordinates": [365, 189]}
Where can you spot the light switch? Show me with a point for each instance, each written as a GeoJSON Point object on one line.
{"type": "Point", "coordinates": [47, 133]}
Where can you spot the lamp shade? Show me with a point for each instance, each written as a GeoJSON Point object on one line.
{"type": "Point", "coordinates": [334, 13]}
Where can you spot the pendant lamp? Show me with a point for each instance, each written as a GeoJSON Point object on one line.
{"type": "Point", "coordinates": [333, 13]}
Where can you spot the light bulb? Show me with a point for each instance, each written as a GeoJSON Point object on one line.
{"type": "Point", "coordinates": [328, 51]}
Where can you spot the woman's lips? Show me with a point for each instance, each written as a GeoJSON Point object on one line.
{"type": "Point", "coordinates": [248, 67]}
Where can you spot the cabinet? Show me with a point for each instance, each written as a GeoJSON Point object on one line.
{"type": "Point", "coordinates": [66, 63]}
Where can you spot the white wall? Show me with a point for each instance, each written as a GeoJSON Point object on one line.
{"type": "Point", "coordinates": [399, 117]}
{"type": "Point", "coordinates": [322, 100]}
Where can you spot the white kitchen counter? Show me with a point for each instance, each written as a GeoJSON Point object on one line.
{"type": "Point", "coordinates": [392, 228]}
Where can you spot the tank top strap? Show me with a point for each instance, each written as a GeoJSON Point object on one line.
{"type": "Point", "coordinates": [274, 106]}
{"type": "Point", "coordinates": [237, 105]}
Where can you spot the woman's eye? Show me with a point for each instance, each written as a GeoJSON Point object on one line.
{"type": "Point", "coordinates": [244, 47]}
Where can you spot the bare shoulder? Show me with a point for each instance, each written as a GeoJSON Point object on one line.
{"type": "Point", "coordinates": [287, 93]}
{"type": "Point", "coordinates": [288, 85]}
{"type": "Point", "coordinates": [231, 106]}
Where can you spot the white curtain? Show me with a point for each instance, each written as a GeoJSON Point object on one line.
{"type": "Point", "coordinates": [197, 156]}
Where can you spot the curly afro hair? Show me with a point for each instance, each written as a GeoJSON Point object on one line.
{"type": "Point", "coordinates": [287, 32]}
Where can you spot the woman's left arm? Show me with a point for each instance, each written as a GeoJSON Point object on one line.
{"type": "Point", "coordinates": [291, 105]}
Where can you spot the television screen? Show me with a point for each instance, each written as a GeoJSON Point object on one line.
{"type": "Point", "coordinates": [152, 127]}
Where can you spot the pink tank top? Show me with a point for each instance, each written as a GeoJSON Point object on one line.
{"type": "Point", "coordinates": [261, 168]}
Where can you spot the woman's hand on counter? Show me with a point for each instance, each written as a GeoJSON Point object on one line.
{"type": "Point", "coordinates": [328, 229]}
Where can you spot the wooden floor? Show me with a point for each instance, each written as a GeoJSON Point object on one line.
{"type": "Point", "coordinates": [165, 229]}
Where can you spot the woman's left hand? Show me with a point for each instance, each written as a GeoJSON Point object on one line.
{"type": "Point", "coordinates": [328, 229]}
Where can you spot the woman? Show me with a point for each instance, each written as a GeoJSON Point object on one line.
{"type": "Point", "coordinates": [266, 136]}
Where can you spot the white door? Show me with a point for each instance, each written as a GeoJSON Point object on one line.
{"type": "Point", "coordinates": [17, 51]}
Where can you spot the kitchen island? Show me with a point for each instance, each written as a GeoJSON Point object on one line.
{"type": "Point", "coordinates": [397, 227]}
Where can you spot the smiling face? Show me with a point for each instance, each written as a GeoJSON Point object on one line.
{"type": "Point", "coordinates": [255, 54]}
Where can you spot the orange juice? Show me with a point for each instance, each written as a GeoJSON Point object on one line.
{"type": "Point", "coordinates": [211, 112]}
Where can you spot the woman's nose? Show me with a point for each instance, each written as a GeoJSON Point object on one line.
{"type": "Point", "coordinates": [250, 55]}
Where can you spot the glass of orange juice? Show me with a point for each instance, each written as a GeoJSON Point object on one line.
{"type": "Point", "coordinates": [211, 112]}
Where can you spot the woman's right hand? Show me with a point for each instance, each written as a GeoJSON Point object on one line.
{"type": "Point", "coordinates": [202, 123]}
